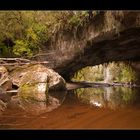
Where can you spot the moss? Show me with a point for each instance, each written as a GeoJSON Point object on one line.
{"type": "Point", "coordinates": [24, 48]}
{"type": "Point", "coordinates": [30, 92]}
{"type": "Point", "coordinates": [25, 92]}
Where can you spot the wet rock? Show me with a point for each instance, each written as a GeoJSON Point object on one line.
{"type": "Point", "coordinates": [56, 82]}
{"type": "Point", "coordinates": [35, 108]}
{"type": "Point", "coordinates": [5, 81]}
{"type": "Point", "coordinates": [53, 101]}
{"type": "Point", "coordinates": [15, 99]}
{"type": "Point", "coordinates": [14, 103]}
{"type": "Point", "coordinates": [2, 91]}
{"type": "Point", "coordinates": [34, 81]}
{"type": "Point", "coordinates": [34, 86]}
{"type": "Point", "coordinates": [3, 72]}
{"type": "Point", "coordinates": [33, 92]}
{"type": "Point", "coordinates": [3, 96]}
{"type": "Point", "coordinates": [34, 77]}
{"type": "Point", "coordinates": [7, 85]}
{"type": "Point", "coordinates": [4, 99]}
{"type": "Point", "coordinates": [2, 106]}
{"type": "Point", "coordinates": [58, 95]}
{"type": "Point", "coordinates": [17, 75]}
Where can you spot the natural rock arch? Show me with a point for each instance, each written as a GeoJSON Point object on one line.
{"type": "Point", "coordinates": [126, 46]}
{"type": "Point", "coordinates": [109, 36]}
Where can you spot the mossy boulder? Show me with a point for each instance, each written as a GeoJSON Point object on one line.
{"type": "Point", "coordinates": [17, 74]}
{"type": "Point", "coordinates": [33, 92]}
{"type": "Point", "coordinates": [35, 81]}
{"type": "Point", "coordinates": [27, 74]}
{"type": "Point", "coordinates": [34, 86]}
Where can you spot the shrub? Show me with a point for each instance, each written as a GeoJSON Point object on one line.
{"type": "Point", "coordinates": [22, 48]}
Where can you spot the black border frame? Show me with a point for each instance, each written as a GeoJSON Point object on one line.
{"type": "Point", "coordinates": [68, 5]}
{"type": "Point", "coordinates": [69, 134]}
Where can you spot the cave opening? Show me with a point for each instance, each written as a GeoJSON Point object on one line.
{"type": "Point", "coordinates": [114, 84]}
{"type": "Point", "coordinates": [113, 72]}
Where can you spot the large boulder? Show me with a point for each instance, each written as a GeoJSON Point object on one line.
{"type": "Point", "coordinates": [54, 80]}
{"type": "Point", "coordinates": [34, 86]}
{"type": "Point", "coordinates": [33, 92]}
{"type": "Point", "coordinates": [34, 81]}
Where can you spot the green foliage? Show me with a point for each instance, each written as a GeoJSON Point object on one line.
{"type": "Point", "coordinates": [4, 50]}
{"type": "Point", "coordinates": [112, 72]}
{"type": "Point", "coordinates": [32, 29]}
{"type": "Point", "coordinates": [91, 74]}
{"type": "Point", "coordinates": [40, 33]}
{"type": "Point", "coordinates": [22, 48]}
{"type": "Point", "coordinates": [74, 20]}
{"type": "Point", "coordinates": [125, 73]}
{"type": "Point", "coordinates": [79, 17]}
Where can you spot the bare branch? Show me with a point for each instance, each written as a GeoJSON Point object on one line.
{"type": "Point", "coordinates": [19, 61]}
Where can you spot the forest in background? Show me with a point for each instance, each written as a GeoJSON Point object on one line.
{"type": "Point", "coordinates": [23, 33]}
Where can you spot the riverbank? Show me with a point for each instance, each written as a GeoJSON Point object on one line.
{"type": "Point", "coordinates": [75, 85]}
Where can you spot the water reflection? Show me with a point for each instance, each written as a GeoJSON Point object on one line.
{"type": "Point", "coordinates": [111, 97]}
{"type": "Point", "coordinates": [55, 99]}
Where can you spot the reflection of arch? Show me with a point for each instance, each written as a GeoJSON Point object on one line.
{"type": "Point", "coordinates": [126, 46]}
{"type": "Point", "coordinates": [110, 97]}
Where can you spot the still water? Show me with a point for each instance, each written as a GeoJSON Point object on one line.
{"type": "Point", "coordinates": [93, 108]}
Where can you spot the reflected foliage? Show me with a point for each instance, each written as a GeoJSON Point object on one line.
{"type": "Point", "coordinates": [111, 97]}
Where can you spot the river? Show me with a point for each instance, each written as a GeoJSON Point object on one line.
{"type": "Point", "coordinates": [83, 108]}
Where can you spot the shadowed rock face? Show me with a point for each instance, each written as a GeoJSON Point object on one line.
{"type": "Point", "coordinates": [109, 36]}
{"type": "Point", "coordinates": [126, 46]}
